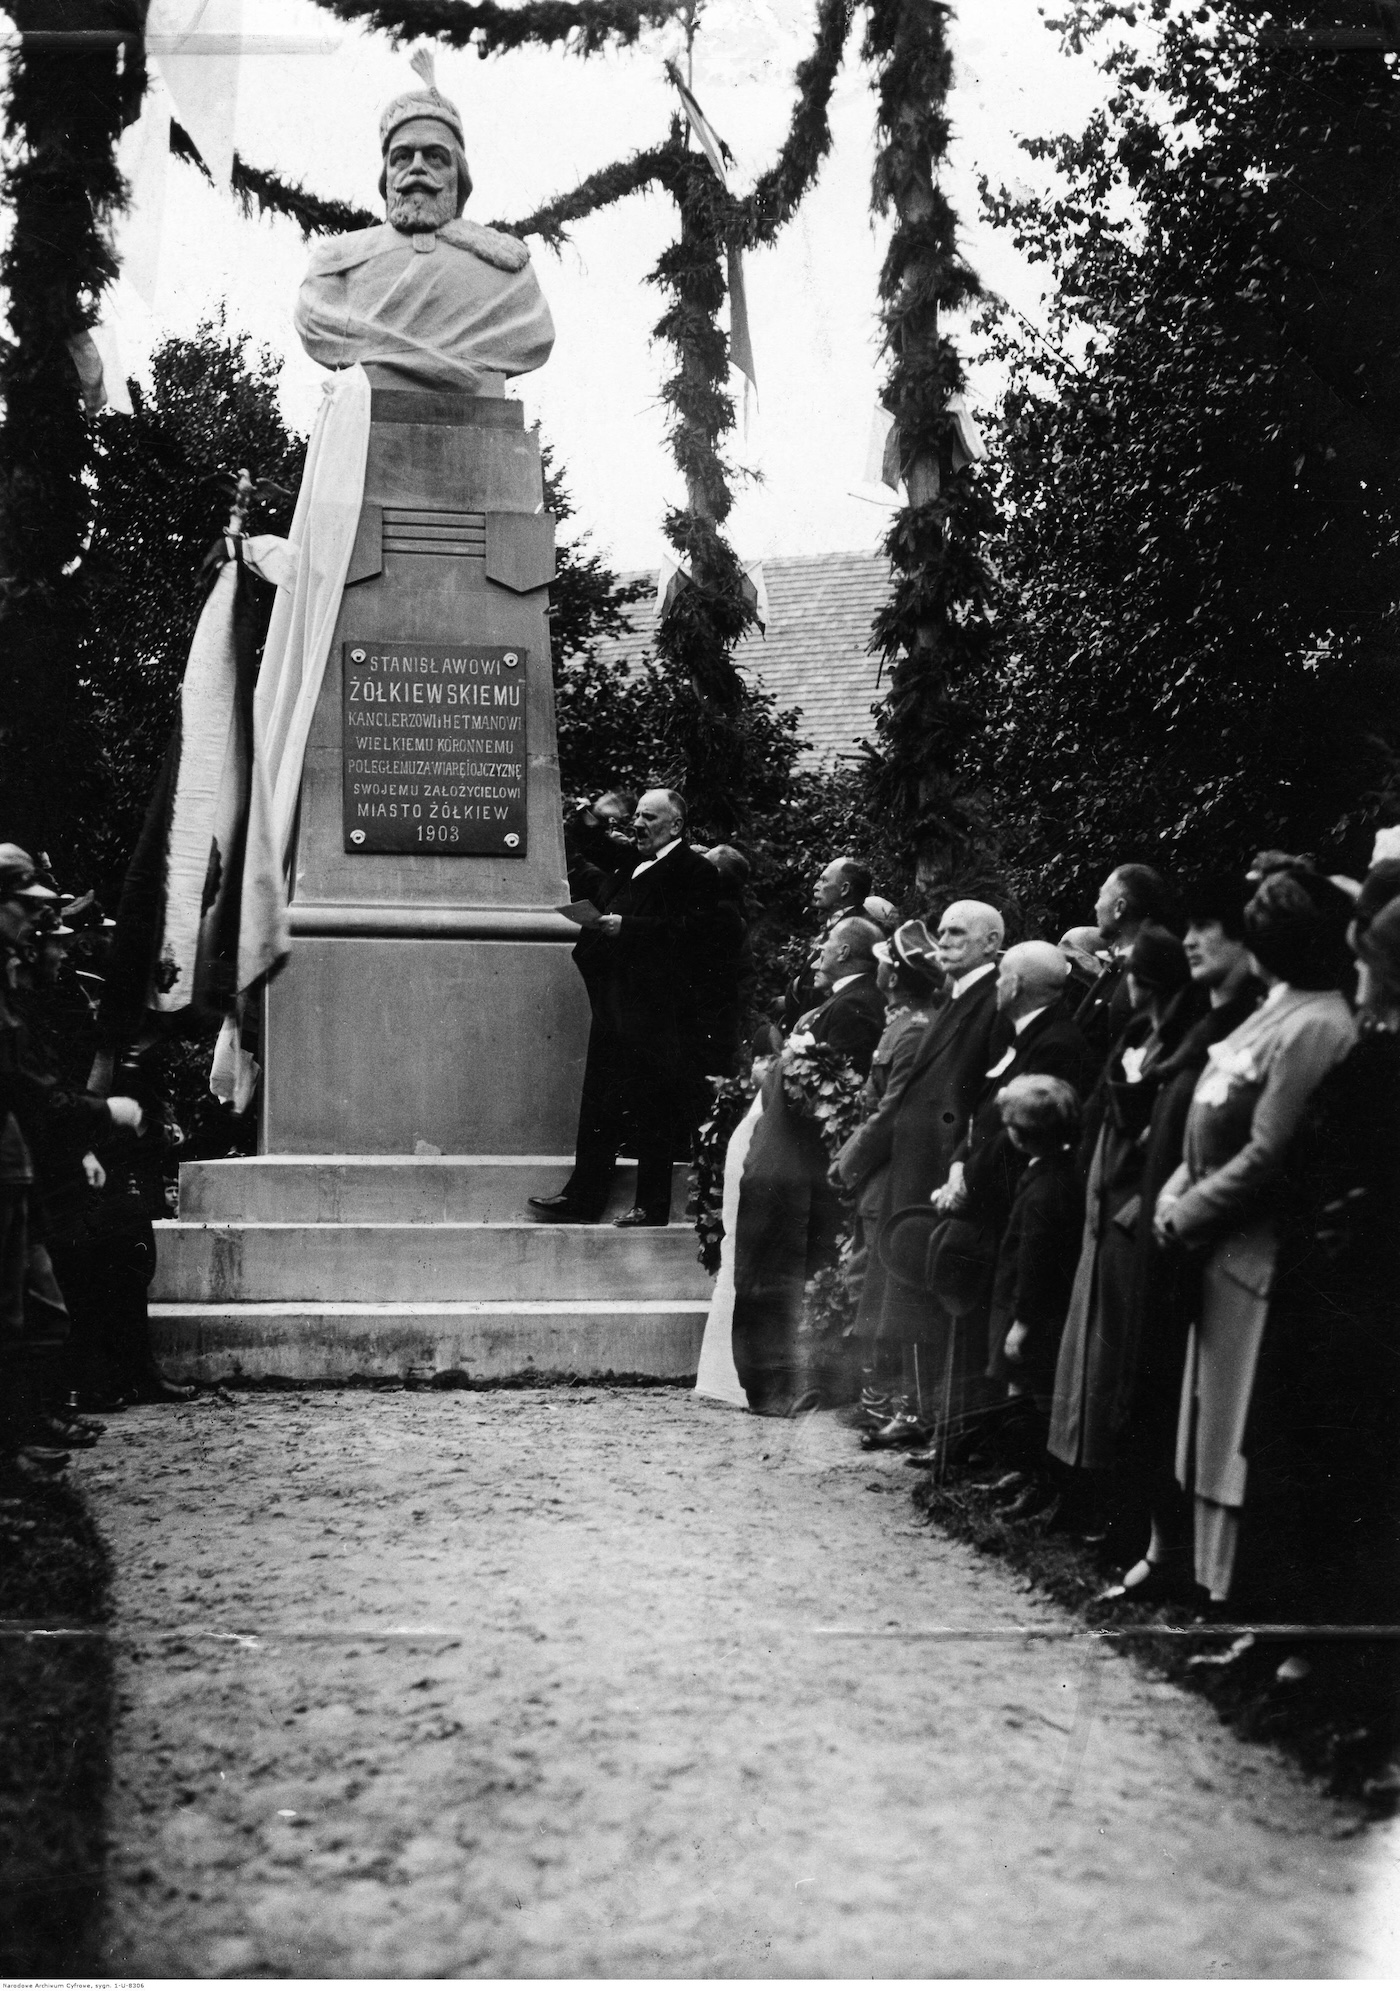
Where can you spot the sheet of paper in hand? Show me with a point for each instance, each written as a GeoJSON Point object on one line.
{"type": "Point", "coordinates": [582, 912]}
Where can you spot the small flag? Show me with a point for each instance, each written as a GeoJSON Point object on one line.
{"type": "Point", "coordinates": [756, 593]}
{"type": "Point", "coordinates": [740, 341]}
{"type": "Point", "coordinates": [968, 446]}
{"type": "Point", "coordinates": [711, 144]}
{"type": "Point", "coordinates": [882, 449]}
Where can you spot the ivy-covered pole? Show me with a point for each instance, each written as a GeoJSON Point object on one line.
{"type": "Point", "coordinates": [705, 619]}
{"type": "Point", "coordinates": [63, 110]}
{"type": "Point", "coordinates": [934, 632]}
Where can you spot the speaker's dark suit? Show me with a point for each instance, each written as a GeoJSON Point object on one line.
{"type": "Point", "coordinates": [645, 1046]}
{"type": "Point", "coordinates": [946, 1078]}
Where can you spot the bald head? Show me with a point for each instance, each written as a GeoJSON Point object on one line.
{"type": "Point", "coordinates": [969, 935]}
{"type": "Point", "coordinates": [1030, 977]}
{"type": "Point", "coordinates": [849, 949]}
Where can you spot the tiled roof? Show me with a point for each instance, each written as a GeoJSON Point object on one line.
{"type": "Point", "coordinates": [815, 654]}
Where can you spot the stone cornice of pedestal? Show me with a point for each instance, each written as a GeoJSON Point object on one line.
{"type": "Point", "coordinates": [372, 922]}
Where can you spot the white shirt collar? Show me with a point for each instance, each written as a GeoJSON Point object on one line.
{"type": "Point", "coordinates": [656, 856]}
{"type": "Point", "coordinates": [1021, 1021]}
{"type": "Point", "coordinates": [854, 977]}
{"type": "Point", "coordinates": [972, 975]}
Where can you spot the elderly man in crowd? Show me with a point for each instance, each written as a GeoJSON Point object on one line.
{"type": "Point", "coordinates": [908, 1339]}
{"type": "Point", "coordinates": [1131, 897]}
{"type": "Point", "coordinates": [645, 965]}
{"type": "Point", "coordinates": [983, 1176]}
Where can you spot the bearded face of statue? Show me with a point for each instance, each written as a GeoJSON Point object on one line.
{"type": "Point", "coordinates": [421, 177]}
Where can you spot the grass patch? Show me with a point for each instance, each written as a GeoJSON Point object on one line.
{"type": "Point", "coordinates": [1341, 1724]}
{"type": "Point", "coordinates": [56, 1703]}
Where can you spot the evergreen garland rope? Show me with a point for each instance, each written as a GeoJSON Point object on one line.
{"type": "Point", "coordinates": [271, 194]}
{"type": "Point", "coordinates": [934, 631]}
{"type": "Point", "coordinates": [493, 29]}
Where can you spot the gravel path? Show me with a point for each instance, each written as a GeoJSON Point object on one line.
{"type": "Point", "coordinates": [543, 1684]}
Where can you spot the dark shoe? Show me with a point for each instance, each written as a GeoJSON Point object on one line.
{"type": "Point", "coordinates": [563, 1209]}
{"type": "Point", "coordinates": [64, 1436]}
{"type": "Point", "coordinates": [1150, 1583]}
{"type": "Point", "coordinates": [157, 1390]}
{"type": "Point", "coordinates": [925, 1461]}
{"type": "Point", "coordinates": [40, 1461]}
{"type": "Point", "coordinates": [809, 1400]}
{"type": "Point", "coordinates": [904, 1429]}
{"type": "Point", "coordinates": [639, 1219]}
{"type": "Point", "coordinates": [1033, 1500]}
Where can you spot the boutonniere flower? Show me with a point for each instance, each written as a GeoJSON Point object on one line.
{"type": "Point", "coordinates": [1225, 1069]}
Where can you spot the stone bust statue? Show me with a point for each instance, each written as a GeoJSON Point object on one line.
{"type": "Point", "coordinates": [428, 299]}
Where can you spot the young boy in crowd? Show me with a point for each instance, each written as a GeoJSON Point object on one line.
{"type": "Point", "coordinates": [1035, 1271]}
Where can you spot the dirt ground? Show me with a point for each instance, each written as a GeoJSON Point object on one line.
{"type": "Point", "coordinates": [596, 1682]}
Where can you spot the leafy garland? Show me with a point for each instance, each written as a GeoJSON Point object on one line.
{"type": "Point", "coordinates": [935, 630]}
{"type": "Point", "coordinates": [492, 29]}
{"type": "Point", "coordinates": [63, 114]}
{"type": "Point", "coordinates": [731, 1100]}
{"type": "Point", "coordinates": [271, 194]}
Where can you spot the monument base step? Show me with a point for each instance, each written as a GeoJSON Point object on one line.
{"type": "Point", "coordinates": [491, 1340]}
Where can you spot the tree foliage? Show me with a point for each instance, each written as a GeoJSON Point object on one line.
{"type": "Point", "coordinates": [160, 498]}
{"type": "Point", "coordinates": [63, 112]}
{"type": "Point", "coordinates": [1201, 486]}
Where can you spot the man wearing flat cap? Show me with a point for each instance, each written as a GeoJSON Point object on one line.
{"type": "Point", "coordinates": [428, 299]}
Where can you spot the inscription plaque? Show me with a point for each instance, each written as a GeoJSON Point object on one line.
{"type": "Point", "coordinates": [434, 749]}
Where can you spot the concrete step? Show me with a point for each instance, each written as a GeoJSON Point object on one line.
{"type": "Point", "coordinates": [408, 1263]}
{"type": "Point", "coordinates": [489, 1340]}
{"type": "Point", "coordinates": [404, 1189]}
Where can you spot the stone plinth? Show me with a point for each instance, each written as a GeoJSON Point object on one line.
{"type": "Point", "coordinates": [330, 1266]}
{"type": "Point", "coordinates": [430, 996]}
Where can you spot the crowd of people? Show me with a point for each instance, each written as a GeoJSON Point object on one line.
{"type": "Point", "coordinates": [1113, 1222]}
{"type": "Point", "coordinates": [80, 1182]}
{"type": "Point", "coordinates": [1122, 1223]}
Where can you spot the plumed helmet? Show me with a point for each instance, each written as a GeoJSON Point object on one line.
{"type": "Point", "coordinates": [427, 102]}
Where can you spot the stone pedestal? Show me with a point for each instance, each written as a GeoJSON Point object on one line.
{"type": "Point", "coordinates": [430, 1002]}
{"type": "Point", "coordinates": [430, 996]}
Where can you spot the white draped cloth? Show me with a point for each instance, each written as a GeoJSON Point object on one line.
{"type": "Point", "coordinates": [308, 597]}
{"type": "Point", "coordinates": [309, 570]}
{"type": "Point", "coordinates": [717, 1377]}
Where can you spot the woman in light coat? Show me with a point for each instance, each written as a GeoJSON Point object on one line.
{"type": "Point", "coordinates": [1223, 1201]}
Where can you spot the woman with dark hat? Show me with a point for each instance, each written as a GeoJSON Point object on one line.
{"type": "Point", "coordinates": [1098, 1339]}
{"type": "Point", "coordinates": [1224, 1201]}
{"type": "Point", "coordinates": [1157, 1524]}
